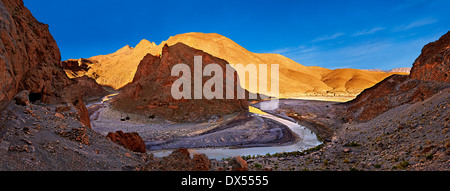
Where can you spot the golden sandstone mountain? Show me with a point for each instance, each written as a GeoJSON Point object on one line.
{"type": "Point", "coordinates": [118, 69]}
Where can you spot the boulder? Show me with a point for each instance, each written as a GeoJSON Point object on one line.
{"type": "Point", "coordinates": [238, 164]}
{"type": "Point", "coordinates": [131, 141]}
{"type": "Point", "coordinates": [22, 98]}
{"type": "Point", "coordinates": [83, 113]}
{"type": "Point", "coordinates": [202, 162]}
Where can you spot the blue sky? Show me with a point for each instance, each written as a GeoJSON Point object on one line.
{"type": "Point", "coordinates": [332, 34]}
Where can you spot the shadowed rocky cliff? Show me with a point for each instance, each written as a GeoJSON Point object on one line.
{"type": "Point", "coordinates": [429, 75]}
{"type": "Point", "coordinates": [150, 92]}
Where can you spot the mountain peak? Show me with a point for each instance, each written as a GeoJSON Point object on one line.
{"type": "Point", "coordinates": [124, 49]}
{"type": "Point", "coordinates": [145, 44]}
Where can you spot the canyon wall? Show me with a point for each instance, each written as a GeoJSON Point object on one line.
{"type": "Point", "coordinates": [429, 75]}
{"type": "Point", "coordinates": [30, 60]}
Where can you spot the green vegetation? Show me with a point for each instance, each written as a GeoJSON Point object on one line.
{"type": "Point", "coordinates": [352, 144]}
{"type": "Point", "coordinates": [401, 165]}
{"type": "Point", "coordinates": [355, 169]}
{"type": "Point", "coordinates": [257, 165]}
{"type": "Point", "coordinates": [286, 154]}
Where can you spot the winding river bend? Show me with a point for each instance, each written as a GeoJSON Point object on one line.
{"type": "Point", "coordinates": [306, 138]}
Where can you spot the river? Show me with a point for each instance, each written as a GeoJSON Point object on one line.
{"type": "Point", "coordinates": [307, 139]}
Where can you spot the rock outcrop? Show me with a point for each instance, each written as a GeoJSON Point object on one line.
{"type": "Point", "coordinates": [88, 88]}
{"type": "Point", "coordinates": [76, 67]}
{"type": "Point", "coordinates": [434, 62]}
{"type": "Point", "coordinates": [394, 91]}
{"type": "Point", "coordinates": [150, 92]}
{"type": "Point", "coordinates": [29, 56]}
{"type": "Point", "coordinates": [131, 141]}
{"type": "Point", "coordinates": [114, 70]}
{"type": "Point", "coordinates": [30, 60]}
{"type": "Point", "coordinates": [429, 75]}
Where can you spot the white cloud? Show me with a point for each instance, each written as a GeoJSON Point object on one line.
{"type": "Point", "coordinates": [408, 4]}
{"type": "Point", "coordinates": [415, 24]}
{"type": "Point", "coordinates": [328, 37]}
{"type": "Point", "coordinates": [299, 49]}
{"type": "Point", "coordinates": [382, 54]}
{"type": "Point", "coordinates": [367, 32]}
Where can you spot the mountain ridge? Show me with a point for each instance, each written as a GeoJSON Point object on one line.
{"type": "Point", "coordinates": [117, 69]}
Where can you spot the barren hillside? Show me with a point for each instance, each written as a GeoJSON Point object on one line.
{"type": "Point", "coordinates": [118, 69]}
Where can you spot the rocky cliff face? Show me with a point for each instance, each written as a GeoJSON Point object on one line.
{"type": "Point", "coordinates": [390, 93]}
{"type": "Point", "coordinates": [88, 88]}
{"type": "Point", "coordinates": [30, 60]}
{"type": "Point", "coordinates": [29, 55]}
{"type": "Point", "coordinates": [150, 91]}
{"type": "Point", "coordinates": [434, 62]}
{"type": "Point", "coordinates": [114, 70]}
{"type": "Point", "coordinates": [429, 75]}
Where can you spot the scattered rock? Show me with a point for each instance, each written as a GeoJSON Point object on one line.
{"type": "Point", "coordinates": [26, 141]}
{"type": "Point", "coordinates": [62, 109]}
{"type": "Point", "coordinates": [77, 134]}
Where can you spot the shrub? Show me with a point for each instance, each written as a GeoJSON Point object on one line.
{"type": "Point", "coordinates": [257, 165]}
{"type": "Point", "coordinates": [402, 165]}
{"type": "Point", "coordinates": [352, 144]}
